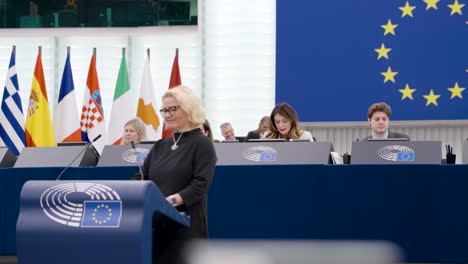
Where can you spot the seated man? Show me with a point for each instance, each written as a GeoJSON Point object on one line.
{"type": "Point", "coordinates": [378, 116]}
{"type": "Point", "coordinates": [227, 131]}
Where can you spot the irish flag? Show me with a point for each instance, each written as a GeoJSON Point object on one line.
{"type": "Point", "coordinates": [147, 110]}
{"type": "Point", "coordinates": [122, 107]}
{"type": "Point", "coordinates": [39, 130]}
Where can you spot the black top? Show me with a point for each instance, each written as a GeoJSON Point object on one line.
{"type": "Point", "coordinates": [187, 170]}
{"type": "Point", "coordinates": [252, 135]}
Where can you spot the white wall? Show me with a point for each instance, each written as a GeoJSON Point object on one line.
{"type": "Point", "coordinates": [238, 50]}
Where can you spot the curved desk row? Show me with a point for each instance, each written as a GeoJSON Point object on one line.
{"type": "Point", "coordinates": [421, 208]}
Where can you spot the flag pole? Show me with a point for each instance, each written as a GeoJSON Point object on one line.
{"type": "Point", "coordinates": [177, 51]}
{"type": "Point", "coordinates": [40, 50]}
{"type": "Point", "coordinates": [148, 52]}
{"type": "Point", "coordinates": [123, 52]}
{"type": "Point", "coordinates": [14, 50]}
{"type": "Point", "coordinates": [68, 50]}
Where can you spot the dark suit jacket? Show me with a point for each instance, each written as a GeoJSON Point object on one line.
{"type": "Point", "coordinates": [252, 135]}
{"type": "Point", "coordinates": [390, 135]}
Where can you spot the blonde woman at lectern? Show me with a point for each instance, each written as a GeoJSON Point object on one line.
{"type": "Point", "coordinates": [182, 167]}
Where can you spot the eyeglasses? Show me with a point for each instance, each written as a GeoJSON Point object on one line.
{"type": "Point", "coordinates": [171, 110]}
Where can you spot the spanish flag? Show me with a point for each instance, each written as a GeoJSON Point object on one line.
{"type": "Point", "coordinates": [39, 130]}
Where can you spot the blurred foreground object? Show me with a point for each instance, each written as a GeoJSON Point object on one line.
{"type": "Point", "coordinates": [293, 252]}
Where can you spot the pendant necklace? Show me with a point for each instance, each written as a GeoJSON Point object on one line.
{"type": "Point", "coordinates": [175, 146]}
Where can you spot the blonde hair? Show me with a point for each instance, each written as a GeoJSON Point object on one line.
{"type": "Point", "coordinates": [265, 119]}
{"type": "Point", "coordinates": [139, 127]}
{"type": "Point", "coordinates": [189, 103]}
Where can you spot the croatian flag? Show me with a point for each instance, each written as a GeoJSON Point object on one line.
{"type": "Point", "coordinates": [92, 115]}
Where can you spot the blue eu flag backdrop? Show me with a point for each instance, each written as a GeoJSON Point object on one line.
{"type": "Point", "coordinates": [336, 58]}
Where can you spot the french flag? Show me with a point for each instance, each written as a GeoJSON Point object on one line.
{"type": "Point", "coordinates": [67, 121]}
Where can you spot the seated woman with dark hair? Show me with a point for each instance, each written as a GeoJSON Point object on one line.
{"type": "Point", "coordinates": [378, 116]}
{"type": "Point", "coordinates": [284, 124]}
{"type": "Point", "coordinates": [205, 128]}
{"type": "Point", "coordinates": [262, 131]}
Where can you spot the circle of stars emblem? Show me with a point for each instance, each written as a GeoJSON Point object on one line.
{"type": "Point", "coordinates": [104, 212]}
{"type": "Point", "coordinates": [390, 30]}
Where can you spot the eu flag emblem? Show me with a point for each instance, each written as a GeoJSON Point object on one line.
{"type": "Point", "coordinates": [405, 156]}
{"type": "Point", "coordinates": [102, 214]}
{"type": "Point", "coordinates": [268, 156]}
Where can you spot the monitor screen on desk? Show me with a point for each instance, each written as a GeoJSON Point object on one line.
{"type": "Point", "coordinates": [148, 142]}
{"type": "Point", "coordinates": [388, 139]}
{"type": "Point", "coordinates": [299, 140]}
{"type": "Point", "coordinates": [266, 140]}
{"type": "Point", "coordinates": [79, 143]}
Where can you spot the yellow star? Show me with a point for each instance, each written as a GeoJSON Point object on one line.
{"type": "Point", "coordinates": [431, 98]}
{"type": "Point", "coordinates": [456, 8]}
{"type": "Point", "coordinates": [431, 4]}
{"type": "Point", "coordinates": [407, 92]}
{"type": "Point", "coordinates": [407, 10]}
{"type": "Point", "coordinates": [456, 91]}
{"type": "Point", "coordinates": [383, 52]}
{"type": "Point", "coordinates": [389, 28]}
{"type": "Point", "coordinates": [389, 75]}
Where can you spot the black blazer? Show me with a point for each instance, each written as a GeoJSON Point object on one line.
{"type": "Point", "coordinates": [390, 135]}
{"type": "Point", "coordinates": [252, 135]}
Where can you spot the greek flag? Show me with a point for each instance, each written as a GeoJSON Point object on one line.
{"type": "Point", "coordinates": [11, 113]}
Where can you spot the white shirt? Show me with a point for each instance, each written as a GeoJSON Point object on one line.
{"type": "Point", "coordinates": [306, 135]}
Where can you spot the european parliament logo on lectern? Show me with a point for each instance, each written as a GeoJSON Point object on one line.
{"type": "Point", "coordinates": [396, 152]}
{"type": "Point", "coordinates": [82, 205]}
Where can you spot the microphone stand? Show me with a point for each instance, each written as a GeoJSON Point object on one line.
{"type": "Point", "coordinates": [77, 156]}
{"type": "Point", "coordinates": [139, 167]}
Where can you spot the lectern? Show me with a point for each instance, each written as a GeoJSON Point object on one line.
{"type": "Point", "coordinates": [91, 221]}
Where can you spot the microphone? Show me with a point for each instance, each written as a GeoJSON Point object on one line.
{"type": "Point", "coordinates": [77, 156]}
{"type": "Point", "coordinates": [139, 167]}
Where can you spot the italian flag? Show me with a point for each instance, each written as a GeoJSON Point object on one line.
{"type": "Point", "coordinates": [122, 107]}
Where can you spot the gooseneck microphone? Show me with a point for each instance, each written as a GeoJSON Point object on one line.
{"type": "Point", "coordinates": [77, 156]}
{"type": "Point", "coordinates": [139, 167]}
